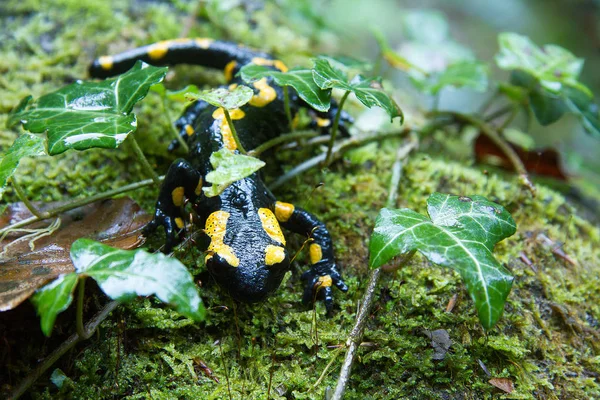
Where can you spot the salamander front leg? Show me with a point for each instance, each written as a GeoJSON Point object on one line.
{"type": "Point", "coordinates": [323, 272]}
{"type": "Point", "coordinates": [182, 181]}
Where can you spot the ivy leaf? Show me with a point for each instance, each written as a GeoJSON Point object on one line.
{"type": "Point", "coordinates": [553, 66]}
{"type": "Point", "coordinates": [461, 235]}
{"type": "Point", "coordinates": [367, 91]}
{"type": "Point", "coordinates": [300, 79]}
{"type": "Point", "coordinates": [469, 74]}
{"type": "Point", "coordinates": [229, 167]}
{"type": "Point", "coordinates": [224, 98]}
{"type": "Point", "coordinates": [88, 114]}
{"type": "Point", "coordinates": [53, 299]}
{"type": "Point", "coordinates": [26, 145]}
{"type": "Point", "coordinates": [175, 95]}
{"type": "Point", "coordinates": [584, 108]}
{"type": "Point", "coordinates": [123, 274]}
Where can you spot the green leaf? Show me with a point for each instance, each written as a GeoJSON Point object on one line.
{"type": "Point", "coordinates": [367, 91]}
{"type": "Point", "coordinates": [301, 80]}
{"type": "Point", "coordinates": [229, 167]}
{"type": "Point", "coordinates": [469, 74]}
{"type": "Point", "coordinates": [123, 274]}
{"type": "Point", "coordinates": [461, 235]}
{"type": "Point", "coordinates": [553, 66]}
{"type": "Point", "coordinates": [580, 104]}
{"type": "Point", "coordinates": [425, 26]}
{"type": "Point", "coordinates": [225, 98]}
{"type": "Point", "coordinates": [53, 299]}
{"type": "Point", "coordinates": [26, 145]}
{"type": "Point", "coordinates": [175, 95]}
{"type": "Point", "coordinates": [88, 114]}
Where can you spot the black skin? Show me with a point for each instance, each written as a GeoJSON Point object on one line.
{"type": "Point", "coordinates": [252, 280]}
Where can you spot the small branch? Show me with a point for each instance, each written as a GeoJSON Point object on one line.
{"type": "Point", "coordinates": [233, 132]}
{"type": "Point", "coordinates": [67, 345]}
{"type": "Point", "coordinates": [499, 113]}
{"type": "Point", "coordinates": [142, 158]}
{"type": "Point", "coordinates": [286, 106]}
{"type": "Point", "coordinates": [289, 137]}
{"type": "Point", "coordinates": [79, 203]}
{"type": "Point", "coordinates": [334, 128]}
{"type": "Point", "coordinates": [486, 105]}
{"type": "Point", "coordinates": [172, 128]}
{"type": "Point", "coordinates": [498, 141]}
{"type": "Point", "coordinates": [336, 152]}
{"type": "Point", "coordinates": [356, 335]}
{"type": "Point", "coordinates": [81, 332]}
{"type": "Point", "coordinates": [509, 119]}
{"type": "Point", "coordinates": [23, 197]}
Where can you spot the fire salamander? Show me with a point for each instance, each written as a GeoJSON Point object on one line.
{"type": "Point", "coordinates": [245, 245]}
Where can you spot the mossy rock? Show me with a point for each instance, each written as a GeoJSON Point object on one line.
{"type": "Point", "coordinates": [546, 342]}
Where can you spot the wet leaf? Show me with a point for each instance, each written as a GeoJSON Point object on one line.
{"type": "Point", "coordinates": [25, 145]}
{"type": "Point", "coordinates": [504, 384]}
{"type": "Point", "coordinates": [467, 74]}
{"type": "Point", "coordinates": [367, 91]}
{"type": "Point", "coordinates": [545, 162]}
{"type": "Point", "coordinates": [553, 66]}
{"type": "Point", "coordinates": [225, 98]}
{"type": "Point", "coordinates": [229, 167]}
{"type": "Point", "coordinates": [53, 299]}
{"type": "Point", "coordinates": [123, 274]}
{"type": "Point", "coordinates": [175, 95]}
{"type": "Point", "coordinates": [461, 235]}
{"type": "Point", "coordinates": [117, 222]}
{"type": "Point", "coordinates": [301, 80]}
{"type": "Point", "coordinates": [90, 114]}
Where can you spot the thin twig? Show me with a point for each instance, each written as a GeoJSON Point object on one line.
{"type": "Point", "coordinates": [80, 203]}
{"type": "Point", "coordinates": [286, 107]}
{"type": "Point", "coordinates": [334, 128]}
{"type": "Point", "coordinates": [493, 135]}
{"type": "Point", "coordinates": [142, 158]}
{"type": "Point", "coordinates": [499, 113]}
{"type": "Point", "coordinates": [336, 152]}
{"type": "Point", "coordinates": [288, 137]}
{"type": "Point", "coordinates": [356, 335]}
{"type": "Point", "coordinates": [172, 128]}
{"type": "Point", "coordinates": [23, 197]}
{"type": "Point", "coordinates": [233, 132]}
{"type": "Point", "coordinates": [81, 332]}
{"type": "Point", "coordinates": [67, 345]}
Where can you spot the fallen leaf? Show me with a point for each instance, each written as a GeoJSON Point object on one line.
{"type": "Point", "coordinates": [545, 162]}
{"type": "Point", "coordinates": [115, 222]}
{"type": "Point", "coordinates": [504, 384]}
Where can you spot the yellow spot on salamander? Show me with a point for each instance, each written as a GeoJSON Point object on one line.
{"type": "Point", "coordinates": [235, 114]}
{"type": "Point", "coordinates": [198, 189]}
{"type": "Point", "coordinates": [324, 281]}
{"type": "Point", "coordinates": [315, 253]}
{"type": "Point", "coordinates": [158, 50]}
{"type": "Point", "coordinates": [266, 94]}
{"type": "Point", "coordinates": [274, 255]}
{"type": "Point", "coordinates": [177, 196]}
{"type": "Point", "coordinates": [270, 225]}
{"type": "Point", "coordinates": [270, 63]}
{"type": "Point", "coordinates": [179, 222]}
{"type": "Point", "coordinates": [228, 71]}
{"type": "Point", "coordinates": [215, 228]}
{"type": "Point", "coordinates": [233, 86]}
{"type": "Point", "coordinates": [323, 122]}
{"type": "Point", "coordinates": [189, 130]}
{"type": "Point", "coordinates": [203, 43]}
{"type": "Point", "coordinates": [283, 211]}
{"type": "Point", "coordinates": [296, 121]}
{"type": "Point", "coordinates": [106, 62]}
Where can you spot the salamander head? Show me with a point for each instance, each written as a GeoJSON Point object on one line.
{"type": "Point", "coordinates": [246, 255]}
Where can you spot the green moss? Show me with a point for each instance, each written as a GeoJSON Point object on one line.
{"type": "Point", "coordinates": [546, 341]}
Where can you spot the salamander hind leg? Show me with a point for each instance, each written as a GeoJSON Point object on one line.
{"type": "Point", "coordinates": [182, 181]}
{"type": "Point", "coordinates": [323, 273]}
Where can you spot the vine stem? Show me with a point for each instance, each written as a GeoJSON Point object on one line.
{"type": "Point", "coordinates": [336, 151]}
{"type": "Point", "coordinates": [67, 345]}
{"type": "Point", "coordinates": [81, 332]}
{"type": "Point", "coordinates": [356, 335]}
{"type": "Point", "coordinates": [286, 106]}
{"type": "Point", "coordinates": [23, 197]}
{"type": "Point", "coordinates": [334, 128]}
{"type": "Point", "coordinates": [80, 203]}
{"type": "Point", "coordinates": [233, 132]}
{"type": "Point", "coordinates": [495, 137]}
{"type": "Point", "coordinates": [142, 158]}
{"type": "Point", "coordinates": [289, 137]}
{"type": "Point", "coordinates": [172, 128]}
